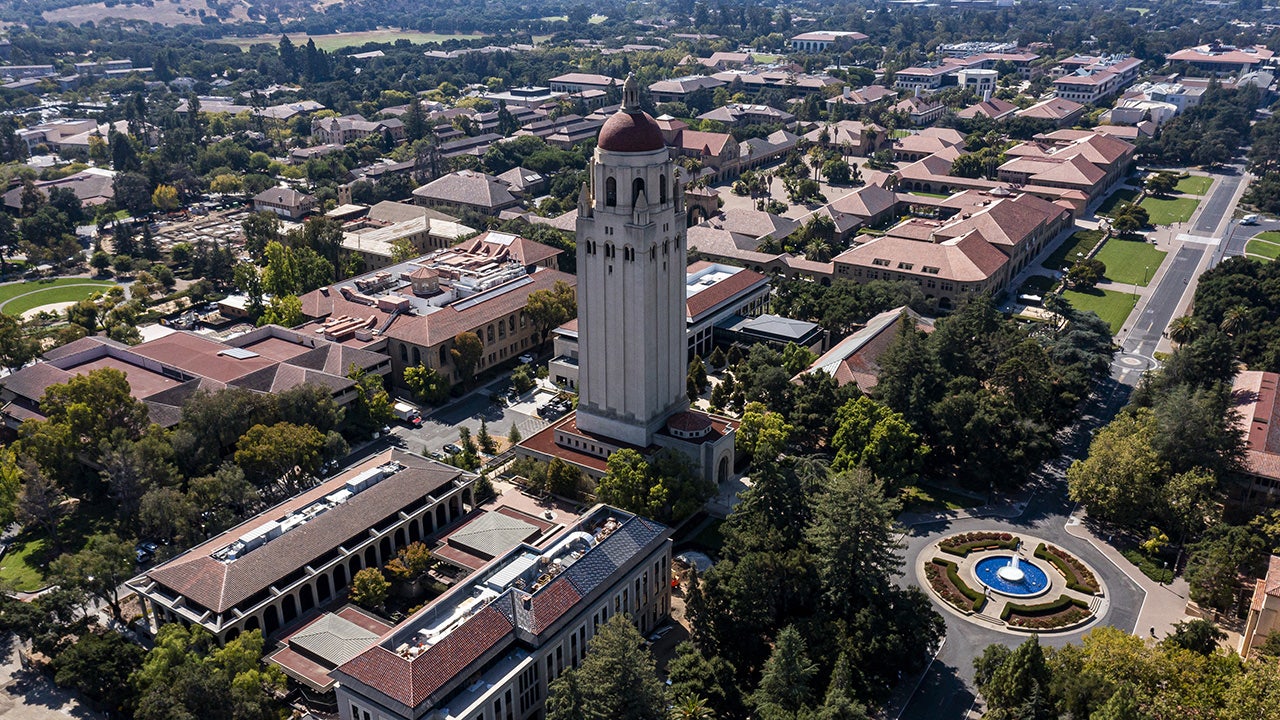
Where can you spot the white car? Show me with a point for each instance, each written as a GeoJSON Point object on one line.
{"type": "Point", "coordinates": [525, 359]}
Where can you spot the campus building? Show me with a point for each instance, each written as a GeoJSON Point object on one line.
{"type": "Point", "coordinates": [412, 311]}
{"type": "Point", "coordinates": [165, 371]}
{"type": "Point", "coordinates": [489, 648]}
{"type": "Point", "coordinates": [268, 571]}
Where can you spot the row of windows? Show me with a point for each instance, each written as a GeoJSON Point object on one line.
{"type": "Point", "coordinates": [637, 189]}
{"type": "Point", "coordinates": [628, 252]}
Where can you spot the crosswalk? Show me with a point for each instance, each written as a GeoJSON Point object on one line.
{"type": "Point", "coordinates": [1200, 239]}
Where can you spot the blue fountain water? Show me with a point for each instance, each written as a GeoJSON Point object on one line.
{"type": "Point", "coordinates": [1032, 582]}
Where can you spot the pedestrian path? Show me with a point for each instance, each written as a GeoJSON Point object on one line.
{"type": "Point", "coordinates": [1164, 605]}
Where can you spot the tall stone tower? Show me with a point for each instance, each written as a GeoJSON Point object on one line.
{"type": "Point", "coordinates": [631, 282]}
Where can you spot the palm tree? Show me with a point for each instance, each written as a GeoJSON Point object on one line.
{"type": "Point", "coordinates": [1184, 329]}
{"type": "Point", "coordinates": [691, 707]}
{"type": "Point", "coordinates": [1234, 320]}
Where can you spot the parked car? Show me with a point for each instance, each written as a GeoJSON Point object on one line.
{"type": "Point", "coordinates": [453, 449]}
{"type": "Point", "coordinates": [525, 359]}
{"type": "Point", "coordinates": [659, 633]}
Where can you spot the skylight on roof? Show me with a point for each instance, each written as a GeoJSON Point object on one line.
{"type": "Point", "coordinates": [238, 353]}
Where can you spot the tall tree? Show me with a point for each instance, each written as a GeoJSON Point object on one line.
{"type": "Point", "coordinates": [616, 679]}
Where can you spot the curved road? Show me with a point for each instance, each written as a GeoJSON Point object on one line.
{"type": "Point", "coordinates": [945, 691]}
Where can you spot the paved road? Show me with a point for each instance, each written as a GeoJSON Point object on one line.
{"type": "Point", "coordinates": [945, 691]}
{"type": "Point", "coordinates": [1220, 203]}
{"type": "Point", "coordinates": [1144, 334]}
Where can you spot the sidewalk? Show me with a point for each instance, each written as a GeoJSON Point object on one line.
{"type": "Point", "coordinates": [1164, 605]}
{"type": "Point", "coordinates": [1007, 508]}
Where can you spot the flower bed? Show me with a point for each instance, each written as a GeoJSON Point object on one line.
{"type": "Point", "coordinates": [944, 578]}
{"type": "Point", "coordinates": [1079, 577]}
{"type": "Point", "coordinates": [966, 543]}
{"type": "Point", "coordinates": [1060, 613]}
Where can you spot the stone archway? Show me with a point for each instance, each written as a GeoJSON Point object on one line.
{"type": "Point", "coordinates": [340, 576]}
{"type": "Point", "coordinates": [722, 470]}
{"type": "Point", "coordinates": [290, 608]}
{"type": "Point", "coordinates": [307, 598]}
{"type": "Point", "coordinates": [324, 589]}
{"type": "Point", "coordinates": [696, 214]}
{"type": "Point", "coordinates": [271, 621]}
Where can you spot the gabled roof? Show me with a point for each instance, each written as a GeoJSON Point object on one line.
{"type": "Point", "coordinates": [994, 108]}
{"type": "Point", "coordinates": [710, 143]}
{"type": "Point", "coordinates": [467, 187]}
{"type": "Point", "coordinates": [856, 358]}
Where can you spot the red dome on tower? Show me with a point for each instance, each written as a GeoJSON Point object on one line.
{"type": "Point", "coordinates": [631, 132]}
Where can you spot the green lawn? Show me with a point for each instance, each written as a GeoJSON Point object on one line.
{"type": "Point", "coordinates": [1113, 307]}
{"type": "Point", "coordinates": [1123, 195]}
{"type": "Point", "coordinates": [1130, 261]}
{"type": "Point", "coordinates": [19, 569]}
{"type": "Point", "coordinates": [1262, 247]}
{"type": "Point", "coordinates": [1081, 242]}
{"type": "Point", "coordinates": [597, 19]}
{"type": "Point", "coordinates": [1194, 185]}
{"type": "Point", "coordinates": [18, 298]}
{"type": "Point", "coordinates": [1272, 236]}
{"type": "Point", "coordinates": [1167, 211]}
{"type": "Point", "coordinates": [900, 133]}
{"type": "Point", "coordinates": [921, 193]}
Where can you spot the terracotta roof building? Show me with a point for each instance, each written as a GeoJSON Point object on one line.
{"type": "Point", "coordinates": [491, 646]}
{"type": "Point", "coordinates": [164, 372]}
{"type": "Point", "coordinates": [268, 571]}
{"type": "Point", "coordinates": [1216, 59]}
{"type": "Point", "coordinates": [856, 359]}
{"type": "Point", "coordinates": [820, 40]}
{"type": "Point", "coordinates": [852, 136]}
{"type": "Point", "coordinates": [413, 310]}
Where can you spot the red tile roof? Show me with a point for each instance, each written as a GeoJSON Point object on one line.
{"type": "Point", "coordinates": [410, 682]}
{"type": "Point", "coordinates": [708, 299]}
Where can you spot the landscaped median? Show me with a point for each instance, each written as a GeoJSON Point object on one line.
{"type": "Point", "coordinates": [1078, 577]}
{"type": "Point", "coordinates": [944, 578]}
{"type": "Point", "coordinates": [966, 543]}
{"type": "Point", "coordinates": [1063, 612]}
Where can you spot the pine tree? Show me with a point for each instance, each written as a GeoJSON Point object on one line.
{"type": "Point", "coordinates": [616, 679]}
{"type": "Point", "coordinates": [513, 436]}
{"type": "Point", "coordinates": [717, 358]}
{"type": "Point", "coordinates": [487, 444]}
{"type": "Point", "coordinates": [784, 683]}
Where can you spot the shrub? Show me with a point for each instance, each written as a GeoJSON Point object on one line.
{"type": "Point", "coordinates": [953, 589]}
{"type": "Point", "coordinates": [965, 543]}
{"type": "Point", "coordinates": [1079, 577]}
{"type": "Point", "coordinates": [1058, 613]}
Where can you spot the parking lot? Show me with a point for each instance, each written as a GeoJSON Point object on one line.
{"type": "Point", "coordinates": [529, 412]}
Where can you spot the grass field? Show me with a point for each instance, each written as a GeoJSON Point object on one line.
{"type": "Point", "coordinates": [1262, 247]}
{"type": "Point", "coordinates": [13, 290]}
{"type": "Point", "coordinates": [337, 41]}
{"type": "Point", "coordinates": [50, 295]}
{"type": "Point", "coordinates": [1113, 307]}
{"type": "Point", "coordinates": [1269, 235]}
{"type": "Point", "coordinates": [1167, 211]}
{"type": "Point", "coordinates": [1194, 185]}
{"type": "Point", "coordinates": [19, 568]}
{"type": "Point", "coordinates": [1131, 262]}
{"type": "Point", "coordinates": [163, 12]}
{"type": "Point", "coordinates": [1123, 195]}
{"type": "Point", "coordinates": [1081, 242]}
{"type": "Point", "coordinates": [921, 193]}
{"type": "Point", "coordinates": [597, 19]}
{"type": "Point", "coordinates": [900, 133]}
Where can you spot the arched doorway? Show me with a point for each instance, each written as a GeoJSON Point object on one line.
{"type": "Point", "coordinates": [415, 532]}
{"type": "Point", "coordinates": [252, 623]}
{"type": "Point", "coordinates": [441, 518]}
{"type": "Point", "coordinates": [370, 557]}
{"type": "Point", "coordinates": [324, 590]}
{"type": "Point", "coordinates": [722, 472]}
{"type": "Point", "coordinates": [340, 576]}
{"type": "Point", "coordinates": [290, 606]}
{"type": "Point", "coordinates": [308, 598]}
{"type": "Point", "coordinates": [271, 621]}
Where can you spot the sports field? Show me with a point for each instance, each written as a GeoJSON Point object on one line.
{"type": "Point", "coordinates": [17, 298]}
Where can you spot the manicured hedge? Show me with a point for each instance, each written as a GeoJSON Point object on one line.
{"type": "Point", "coordinates": [966, 543]}
{"type": "Point", "coordinates": [976, 599]}
{"type": "Point", "coordinates": [1049, 608]}
{"type": "Point", "coordinates": [1030, 613]}
{"type": "Point", "coordinates": [1078, 577]}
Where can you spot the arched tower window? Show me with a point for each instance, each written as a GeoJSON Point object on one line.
{"type": "Point", "coordinates": [610, 192]}
{"type": "Point", "coordinates": [637, 187]}
{"type": "Point", "coordinates": [662, 189]}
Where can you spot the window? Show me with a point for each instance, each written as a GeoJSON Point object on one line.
{"type": "Point", "coordinates": [637, 189]}
{"type": "Point", "coordinates": [905, 266]}
{"type": "Point", "coordinates": [489, 334]}
{"type": "Point", "coordinates": [404, 353]}
{"type": "Point", "coordinates": [662, 189]}
{"type": "Point", "coordinates": [611, 192]}
{"type": "Point", "coordinates": [881, 262]}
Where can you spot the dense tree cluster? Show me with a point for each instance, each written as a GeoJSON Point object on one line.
{"type": "Point", "coordinates": [1240, 298]}
{"type": "Point", "coordinates": [986, 393]}
{"type": "Point", "coordinates": [801, 613]}
{"type": "Point", "coordinates": [1112, 675]}
{"type": "Point", "coordinates": [1209, 133]}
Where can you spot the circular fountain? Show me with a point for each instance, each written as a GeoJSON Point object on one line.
{"type": "Point", "coordinates": [1008, 575]}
